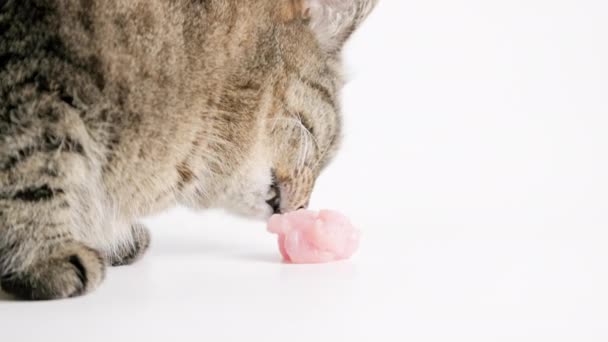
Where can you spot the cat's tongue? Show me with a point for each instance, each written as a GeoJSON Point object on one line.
{"type": "Point", "coordinates": [307, 237]}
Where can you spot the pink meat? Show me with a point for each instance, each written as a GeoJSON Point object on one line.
{"type": "Point", "coordinates": [307, 237]}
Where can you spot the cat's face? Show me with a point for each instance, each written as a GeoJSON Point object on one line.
{"type": "Point", "coordinates": [300, 135]}
{"type": "Point", "coordinates": [302, 129]}
{"type": "Point", "coordinates": [304, 133]}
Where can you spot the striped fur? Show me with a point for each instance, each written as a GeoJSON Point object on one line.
{"type": "Point", "coordinates": [113, 110]}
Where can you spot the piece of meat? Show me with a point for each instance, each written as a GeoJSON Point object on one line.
{"type": "Point", "coordinates": [308, 237]}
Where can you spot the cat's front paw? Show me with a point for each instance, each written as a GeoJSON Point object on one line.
{"type": "Point", "coordinates": [70, 269]}
{"type": "Point", "coordinates": [134, 249]}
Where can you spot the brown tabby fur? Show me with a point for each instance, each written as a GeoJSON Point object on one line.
{"type": "Point", "coordinates": [111, 110]}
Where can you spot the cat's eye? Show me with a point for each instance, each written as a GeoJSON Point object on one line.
{"type": "Point", "coordinates": [306, 124]}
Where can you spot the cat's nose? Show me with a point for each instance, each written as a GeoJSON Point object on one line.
{"type": "Point", "coordinates": [275, 200]}
{"type": "Point", "coordinates": [303, 206]}
{"type": "Point", "coordinates": [276, 207]}
{"type": "Point", "coordinates": [296, 207]}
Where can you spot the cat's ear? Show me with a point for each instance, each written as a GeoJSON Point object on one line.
{"type": "Point", "coordinates": [334, 21]}
{"type": "Point", "coordinates": [290, 10]}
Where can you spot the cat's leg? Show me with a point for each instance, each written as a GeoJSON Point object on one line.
{"type": "Point", "coordinates": [131, 248]}
{"type": "Point", "coordinates": [47, 189]}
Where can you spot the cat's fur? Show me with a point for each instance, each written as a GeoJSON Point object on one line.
{"type": "Point", "coordinates": [111, 110]}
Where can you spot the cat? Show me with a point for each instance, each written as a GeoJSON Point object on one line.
{"type": "Point", "coordinates": [112, 110]}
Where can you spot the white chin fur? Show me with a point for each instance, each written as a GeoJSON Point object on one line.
{"type": "Point", "coordinates": [249, 193]}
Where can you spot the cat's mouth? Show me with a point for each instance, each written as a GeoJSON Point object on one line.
{"type": "Point", "coordinates": [274, 196]}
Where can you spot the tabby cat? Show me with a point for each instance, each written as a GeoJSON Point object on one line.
{"type": "Point", "coordinates": [111, 110]}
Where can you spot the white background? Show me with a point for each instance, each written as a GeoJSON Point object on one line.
{"type": "Point", "coordinates": [475, 162]}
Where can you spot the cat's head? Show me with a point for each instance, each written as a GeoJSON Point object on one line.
{"type": "Point", "coordinates": [303, 127]}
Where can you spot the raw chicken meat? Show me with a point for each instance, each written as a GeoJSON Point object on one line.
{"type": "Point", "coordinates": [308, 237]}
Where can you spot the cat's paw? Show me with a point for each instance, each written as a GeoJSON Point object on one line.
{"type": "Point", "coordinates": [134, 250]}
{"type": "Point", "coordinates": [70, 269]}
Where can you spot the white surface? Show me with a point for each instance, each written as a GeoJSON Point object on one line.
{"type": "Point", "coordinates": [476, 162]}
